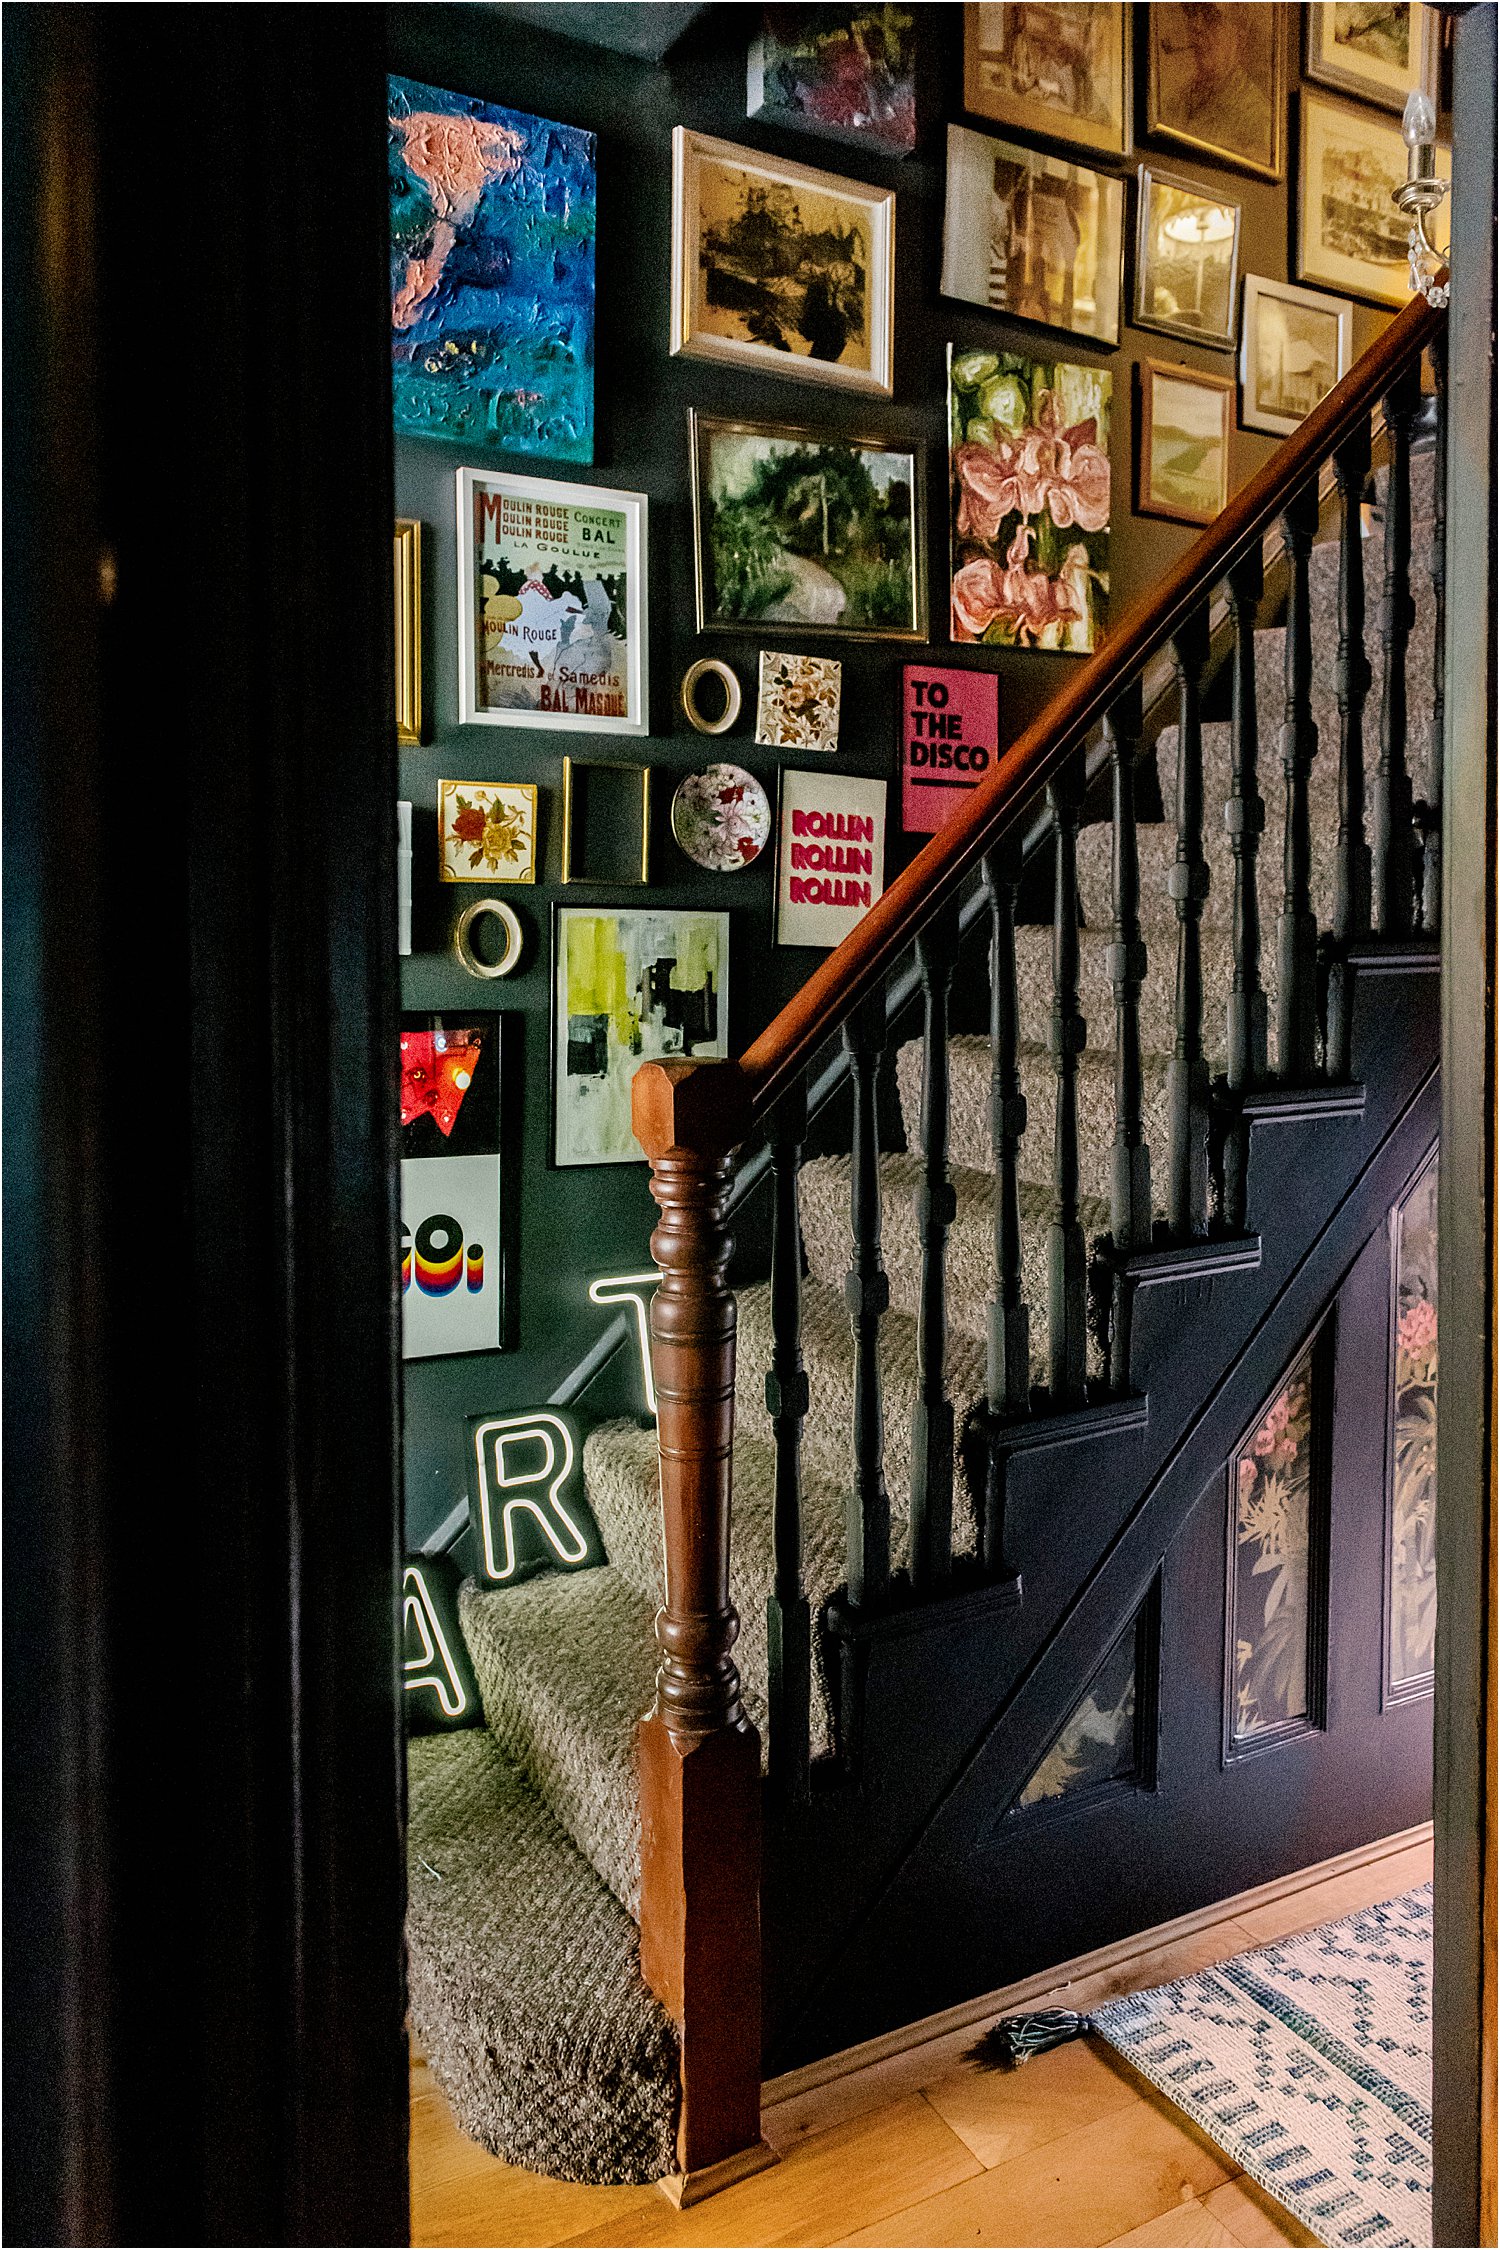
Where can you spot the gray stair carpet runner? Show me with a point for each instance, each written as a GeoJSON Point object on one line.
{"type": "Point", "coordinates": [526, 1991]}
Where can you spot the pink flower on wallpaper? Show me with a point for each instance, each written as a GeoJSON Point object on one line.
{"type": "Point", "coordinates": [1416, 1332]}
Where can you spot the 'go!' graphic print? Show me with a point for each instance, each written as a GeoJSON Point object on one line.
{"type": "Point", "coordinates": [450, 1255]}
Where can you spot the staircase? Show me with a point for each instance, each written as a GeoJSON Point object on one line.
{"type": "Point", "coordinates": [968, 1452]}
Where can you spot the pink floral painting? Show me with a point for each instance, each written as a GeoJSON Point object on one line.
{"type": "Point", "coordinates": [1272, 1538]}
{"type": "Point", "coordinates": [1030, 501]}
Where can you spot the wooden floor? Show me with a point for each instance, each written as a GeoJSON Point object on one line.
{"type": "Point", "coordinates": [919, 2146]}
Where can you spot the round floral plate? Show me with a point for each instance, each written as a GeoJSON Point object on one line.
{"type": "Point", "coordinates": [721, 818]}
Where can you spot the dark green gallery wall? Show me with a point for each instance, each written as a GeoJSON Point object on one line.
{"type": "Point", "coordinates": [566, 1226]}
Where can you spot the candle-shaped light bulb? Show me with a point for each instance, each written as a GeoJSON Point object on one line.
{"type": "Point", "coordinates": [1418, 120]}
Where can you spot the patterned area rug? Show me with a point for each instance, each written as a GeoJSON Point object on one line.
{"type": "Point", "coordinates": [1310, 2064]}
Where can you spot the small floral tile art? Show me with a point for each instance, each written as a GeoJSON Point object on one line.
{"type": "Point", "coordinates": [721, 818]}
{"type": "Point", "coordinates": [487, 831]}
{"type": "Point", "coordinates": [799, 702]}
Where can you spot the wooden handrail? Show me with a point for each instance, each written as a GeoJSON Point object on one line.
{"type": "Point", "coordinates": [785, 1048]}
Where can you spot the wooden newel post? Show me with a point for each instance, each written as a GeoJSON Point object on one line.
{"type": "Point", "coordinates": [699, 1754]}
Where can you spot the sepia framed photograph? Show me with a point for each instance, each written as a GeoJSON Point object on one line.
{"type": "Point", "coordinates": [804, 529]}
{"type": "Point", "coordinates": [1350, 235]}
{"type": "Point", "coordinates": [1187, 257]}
{"type": "Point", "coordinates": [1376, 50]}
{"type": "Point", "coordinates": [1059, 67]}
{"type": "Point", "coordinates": [780, 267]}
{"type": "Point", "coordinates": [408, 559]}
{"type": "Point", "coordinates": [1216, 82]}
{"type": "Point", "coordinates": [1294, 346]}
{"type": "Point", "coordinates": [1182, 453]}
{"type": "Point", "coordinates": [551, 604]}
{"type": "Point", "coordinates": [1033, 236]}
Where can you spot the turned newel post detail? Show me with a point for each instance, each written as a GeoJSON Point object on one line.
{"type": "Point", "coordinates": [699, 1755]}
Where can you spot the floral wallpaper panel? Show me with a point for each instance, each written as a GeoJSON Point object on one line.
{"type": "Point", "coordinates": [1272, 1488]}
{"type": "Point", "coordinates": [1097, 1743]}
{"type": "Point", "coordinates": [1412, 1563]}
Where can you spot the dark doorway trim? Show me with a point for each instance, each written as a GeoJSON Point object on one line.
{"type": "Point", "coordinates": [204, 1865]}
{"type": "Point", "coordinates": [1466, 1741]}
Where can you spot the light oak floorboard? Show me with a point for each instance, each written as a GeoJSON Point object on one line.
{"type": "Point", "coordinates": [1003, 2113]}
{"type": "Point", "coordinates": [1190, 2225]}
{"type": "Point", "coordinates": [851, 2177]}
{"type": "Point", "coordinates": [1253, 2217]}
{"type": "Point", "coordinates": [1087, 2186]}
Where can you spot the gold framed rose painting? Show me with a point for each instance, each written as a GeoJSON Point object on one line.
{"type": "Point", "coordinates": [1030, 499]}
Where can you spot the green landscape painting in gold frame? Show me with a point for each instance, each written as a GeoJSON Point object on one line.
{"type": "Point", "coordinates": [1182, 457]}
{"type": "Point", "coordinates": [1061, 70]}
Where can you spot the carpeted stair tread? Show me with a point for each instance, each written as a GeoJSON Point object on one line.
{"type": "Point", "coordinates": [621, 1478]}
{"type": "Point", "coordinates": [566, 1665]}
{"type": "Point", "coordinates": [969, 1113]}
{"type": "Point", "coordinates": [524, 1979]}
{"type": "Point", "coordinates": [828, 1351]}
{"type": "Point", "coordinates": [970, 1269]}
{"type": "Point", "coordinates": [1157, 1001]}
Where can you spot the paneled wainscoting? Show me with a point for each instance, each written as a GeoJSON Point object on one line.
{"type": "Point", "coordinates": [905, 2142]}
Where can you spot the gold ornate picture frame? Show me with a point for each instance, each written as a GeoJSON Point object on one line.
{"type": "Point", "coordinates": [1216, 84]}
{"type": "Point", "coordinates": [408, 572]}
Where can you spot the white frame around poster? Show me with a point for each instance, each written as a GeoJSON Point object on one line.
{"type": "Point", "coordinates": [563, 494]}
{"type": "Point", "coordinates": [1256, 288]}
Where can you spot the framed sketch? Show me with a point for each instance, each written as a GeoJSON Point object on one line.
{"type": "Point", "coordinates": [551, 604]}
{"type": "Point", "coordinates": [492, 274]}
{"type": "Point", "coordinates": [1216, 82]}
{"type": "Point", "coordinates": [1058, 67]}
{"type": "Point", "coordinates": [408, 559]}
{"type": "Point", "coordinates": [630, 985]}
{"type": "Point", "coordinates": [846, 73]}
{"type": "Point", "coordinates": [451, 1278]}
{"type": "Point", "coordinates": [1030, 501]}
{"type": "Point", "coordinates": [1187, 255]}
{"type": "Point", "coordinates": [1182, 457]}
{"type": "Point", "coordinates": [1033, 235]}
{"type": "Point", "coordinates": [779, 267]}
{"type": "Point", "coordinates": [1350, 236]}
{"type": "Point", "coordinates": [1294, 346]}
{"type": "Point", "coordinates": [830, 861]}
{"type": "Point", "coordinates": [1377, 52]}
{"type": "Point", "coordinates": [801, 528]}
{"type": "Point", "coordinates": [486, 831]}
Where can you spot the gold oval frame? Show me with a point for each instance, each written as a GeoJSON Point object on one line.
{"type": "Point", "coordinates": [509, 922]}
{"type": "Point", "coordinates": [733, 697]}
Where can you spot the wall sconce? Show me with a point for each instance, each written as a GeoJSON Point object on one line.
{"type": "Point", "coordinates": [1420, 192]}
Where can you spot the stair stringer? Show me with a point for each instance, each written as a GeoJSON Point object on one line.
{"type": "Point", "coordinates": [878, 1908]}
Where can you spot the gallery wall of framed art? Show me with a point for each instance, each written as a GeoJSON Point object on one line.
{"type": "Point", "coordinates": [779, 334]}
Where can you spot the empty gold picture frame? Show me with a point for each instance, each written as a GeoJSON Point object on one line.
{"type": "Point", "coordinates": [575, 781]}
{"type": "Point", "coordinates": [408, 558]}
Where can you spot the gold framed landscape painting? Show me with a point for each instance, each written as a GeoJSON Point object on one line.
{"type": "Point", "coordinates": [1032, 235]}
{"type": "Point", "coordinates": [1216, 81]}
{"type": "Point", "coordinates": [778, 266]}
{"type": "Point", "coordinates": [1062, 69]}
{"type": "Point", "coordinates": [1182, 460]}
{"type": "Point", "coordinates": [1350, 236]}
{"type": "Point", "coordinates": [1376, 50]}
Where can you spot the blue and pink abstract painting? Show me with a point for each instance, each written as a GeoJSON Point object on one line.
{"type": "Point", "coordinates": [492, 275]}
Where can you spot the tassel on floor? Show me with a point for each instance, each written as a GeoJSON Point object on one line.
{"type": "Point", "coordinates": [1015, 2039]}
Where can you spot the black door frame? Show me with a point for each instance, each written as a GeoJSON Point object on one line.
{"type": "Point", "coordinates": [204, 1989]}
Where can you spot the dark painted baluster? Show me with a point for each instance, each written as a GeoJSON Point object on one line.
{"type": "Point", "coordinates": [932, 1416]}
{"type": "Point", "coordinates": [1430, 899]}
{"type": "Point", "coordinates": [788, 1622]}
{"type": "Point", "coordinates": [1245, 821]}
{"type": "Point", "coordinates": [1067, 1253]}
{"type": "Point", "coordinates": [1130, 1168]}
{"type": "Point", "coordinates": [1187, 887]}
{"type": "Point", "coordinates": [867, 1294]}
{"type": "Point", "coordinates": [1297, 930]}
{"type": "Point", "coordinates": [1008, 1369]}
{"type": "Point", "coordinates": [1391, 884]}
{"type": "Point", "coordinates": [1351, 898]}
